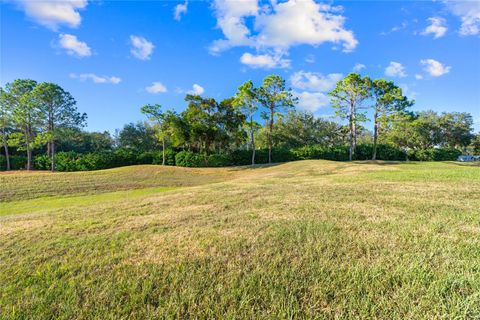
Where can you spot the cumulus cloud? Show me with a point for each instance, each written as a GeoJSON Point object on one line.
{"type": "Point", "coordinates": [74, 46]}
{"type": "Point", "coordinates": [141, 48]}
{"type": "Point", "coordinates": [312, 101]}
{"type": "Point", "coordinates": [418, 76]}
{"type": "Point", "coordinates": [298, 22]}
{"type": "Point", "coordinates": [156, 87]}
{"type": "Point", "coordinates": [435, 68]}
{"type": "Point", "coordinates": [179, 10]}
{"type": "Point", "coordinates": [469, 13]}
{"type": "Point", "coordinates": [96, 79]}
{"type": "Point", "coordinates": [196, 89]}
{"type": "Point", "coordinates": [395, 69]}
{"type": "Point", "coordinates": [314, 81]}
{"type": "Point", "coordinates": [277, 26]}
{"type": "Point", "coordinates": [51, 14]}
{"type": "Point", "coordinates": [358, 67]}
{"type": "Point", "coordinates": [265, 61]}
{"type": "Point", "coordinates": [437, 27]}
{"type": "Point", "coordinates": [231, 17]}
{"type": "Point", "coordinates": [311, 88]}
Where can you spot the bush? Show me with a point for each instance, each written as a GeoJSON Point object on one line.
{"type": "Point", "coordinates": [124, 157]}
{"type": "Point", "coordinates": [42, 162]}
{"type": "Point", "coordinates": [219, 160]}
{"type": "Point", "coordinates": [434, 154]}
{"type": "Point", "coordinates": [384, 152]}
{"type": "Point", "coordinates": [190, 159]}
{"type": "Point", "coordinates": [339, 153]}
{"type": "Point", "coordinates": [169, 157]}
{"type": "Point", "coordinates": [16, 162]}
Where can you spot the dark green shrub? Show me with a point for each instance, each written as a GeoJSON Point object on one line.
{"type": "Point", "coordinates": [16, 162]}
{"type": "Point", "coordinates": [169, 157]}
{"type": "Point", "coordinates": [242, 157]}
{"type": "Point", "coordinates": [190, 159]}
{"type": "Point", "coordinates": [219, 160]}
{"type": "Point", "coordinates": [124, 157]}
{"type": "Point", "coordinates": [146, 157]}
{"type": "Point", "coordinates": [66, 161]}
{"type": "Point", "coordinates": [384, 152]}
{"type": "Point", "coordinates": [434, 154]}
{"type": "Point", "coordinates": [42, 162]}
{"type": "Point", "coordinates": [339, 153]}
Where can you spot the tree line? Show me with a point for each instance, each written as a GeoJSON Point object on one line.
{"type": "Point", "coordinates": [41, 118]}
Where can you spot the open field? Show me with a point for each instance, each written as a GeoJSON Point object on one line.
{"type": "Point", "coordinates": [306, 239]}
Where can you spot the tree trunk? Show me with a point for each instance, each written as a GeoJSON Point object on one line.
{"type": "Point", "coordinates": [28, 147]}
{"type": "Point", "coordinates": [163, 151]}
{"type": "Point", "coordinates": [29, 158]}
{"type": "Point", "coordinates": [252, 137]}
{"type": "Point", "coordinates": [270, 125]}
{"type": "Point", "coordinates": [351, 133]}
{"type": "Point", "coordinates": [7, 155]}
{"type": "Point", "coordinates": [49, 149]}
{"type": "Point", "coordinates": [52, 150]}
{"type": "Point", "coordinates": [375, 135]}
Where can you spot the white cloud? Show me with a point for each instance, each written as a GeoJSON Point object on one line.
{"type": "Point", "coordinates": [418, 76]}
{"type": "Point", "coordinates": [358, 67]}
{"type": "Point", "coordinates": [74, 46]}
{"type": "Point", "coordinates": [265, 61]}
{"type": "Point", "coordinates": [435, 68]}
{"type": "Point", "coordinates": [51, 14]}
{"type": "Point", "coordinates": [437, 27]}
{"type": "Point", "coordinates": [469, 13]}
{"type": "Point", "coordinates": [277, 26]}
{"type": "Point", "coordinates": [315, 81]}
{"type": "Point", "coordinates": [141, 48]}
{"type": "Point", "coordinates": [395, 69]}
{"type": "Point", "coordinates": [231, 20]}
{"type": "Point", "coordinates": [96, 79]}
{"type": "Point", "coordinates": [312, 101]}
{"type": "Point", "coordinates": [179, 10]}
{"type": "Point", "coordinates": [196, 89]}
{"type": "Point", "coordinates": [312, 88]}
{"type": "Point", "coordinates": [298, 22]}
{"type": "Point", "coordinates": [156, 87]}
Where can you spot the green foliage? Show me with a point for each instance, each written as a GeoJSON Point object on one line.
{"type": "Point", "coordinates": [218, 160]}
{"type": "Point", "coordinates": [190, 159]}
{"type": "Point", "coordinates": [384, 152]}
{"type": "Point", "coordinates": [428, 129]}
{"type": "Point", "coordinates": [476, 144]}
{"type": "Point", "coordinates": [337, 153]}
{"type": "Point", "coordinates": [138, 137]}
{"type": "Point", "coordinates": [434, 154]}
{"type": "Point", "coordinates": [169, 157]}
{"type": "Point", "coordinates": [16, 162]}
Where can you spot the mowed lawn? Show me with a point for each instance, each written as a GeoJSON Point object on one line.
{"type": "Point", "coordinates": [306, 239]}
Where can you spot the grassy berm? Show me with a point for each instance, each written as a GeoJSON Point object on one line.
{"type": "Point", "coordinates": [306, 239]}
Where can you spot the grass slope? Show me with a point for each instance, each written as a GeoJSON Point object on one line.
{"type": "Point", "coordinates": [308, 239]}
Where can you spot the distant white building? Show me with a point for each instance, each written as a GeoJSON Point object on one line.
{"type": "Point", "coordinates": [467, 158]}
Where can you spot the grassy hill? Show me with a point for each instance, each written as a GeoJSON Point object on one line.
{"type": "Point", "coordinates": [308, 239]}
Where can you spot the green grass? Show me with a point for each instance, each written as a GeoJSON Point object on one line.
{"type": "Point", "coordinates": [307, 239]}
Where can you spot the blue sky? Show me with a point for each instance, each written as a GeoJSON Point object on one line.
{"type": "Point", "coordinates": [115, 56]}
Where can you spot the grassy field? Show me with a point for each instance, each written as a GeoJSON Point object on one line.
{"type": "Point", "coordinates": [307, 239]}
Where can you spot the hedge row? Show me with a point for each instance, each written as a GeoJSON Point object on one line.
{"type": "Point", "coordinates": [71, 161]}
